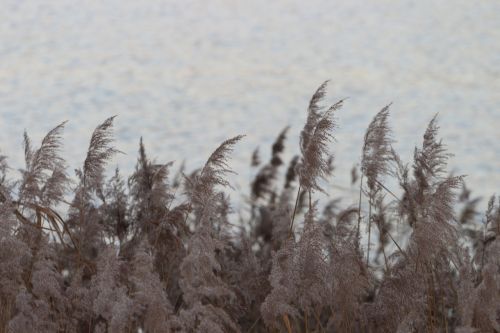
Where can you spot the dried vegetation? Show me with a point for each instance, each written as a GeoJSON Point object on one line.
{"type": "Point", "coordinates": [154, 253]}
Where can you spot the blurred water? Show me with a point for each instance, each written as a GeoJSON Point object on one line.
{"type": "Point", "coordinates": [188, 74]}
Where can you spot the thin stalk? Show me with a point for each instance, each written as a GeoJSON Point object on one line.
{"type": "Point", "coordinates": [253, 325]}
{"type": "Point", "coordinates": [310, 200]}
{"type": "Point", "coordinates": [359, 208]}
{"type": "Point", "coordinates": [445, 317]}
{"type": "Point", "coordinates": [294, 210]}
{"type": "Point", "coordinates": [306, 324]}
{"type": "Point", "coordinates": [385, 259]}
{"type": "Point", "coordinates": [388, 191]}
{"type": "Point", "coordinates": [483, 250]}
{"type": "Point", "coordinates": [383, 249]}
{"type": "Point", "coordinates": [397, 245]}
{"type": "Point", "coordinates": [369, 231]}
{"type": "Point", "coordinates": [433, 299]}
{"type": "Point", "coordinates": [318, 320]}
{"type": "Point", "coordinates": [286, 320]}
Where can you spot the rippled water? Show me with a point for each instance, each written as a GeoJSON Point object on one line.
{"type": "Point", "coordinates": [188, 74]}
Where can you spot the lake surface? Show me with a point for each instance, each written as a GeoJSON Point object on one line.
{"type": "Point", "coordinates": [185, 75]}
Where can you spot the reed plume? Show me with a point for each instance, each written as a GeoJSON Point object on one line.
{"type": "Point", "coordinates": [315, 162]}
{"type": "Point", "coordinates": [377, 153]}
{"type": "Point", "coordinates": [314, 139]}
{"type": "Point", "coordinates": [44, 176]}
{"type": "Point", "coordinates": [213, 173]}
{"type": "Point", "coordinates": [377, 149]}
{"type": "Point", "coordinates": [262, 183]}
{"type": "Point", "coordinates": [98, 153]}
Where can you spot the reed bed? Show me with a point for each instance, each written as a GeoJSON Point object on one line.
{"type": "Point", "coordinates": [160, 251]}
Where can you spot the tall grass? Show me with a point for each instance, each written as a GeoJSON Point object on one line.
{"type": "Point", "coordinates": [155, 253]}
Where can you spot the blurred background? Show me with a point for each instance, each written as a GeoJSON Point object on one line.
{"type": "Point", "coordinates": [186, 75]}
